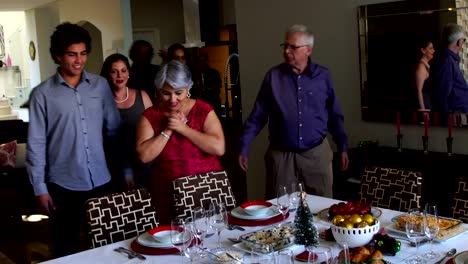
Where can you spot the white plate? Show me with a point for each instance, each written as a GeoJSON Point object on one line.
{"type": "Point", "coordinates": [462, 229]}
{"type": "Point", "coordinates": [241, 214]}
{"type": "Point", "coordinates": [461, 258]}
{"type": "Point", "coordinates": [147, 240]}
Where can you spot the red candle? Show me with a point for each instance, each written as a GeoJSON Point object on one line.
{"type": "Point", "coordinates": [426, 124]}
{"type": "Point", "coordinates": [398, 123]}
{"type": "Point", "coordinates": [450, 126]}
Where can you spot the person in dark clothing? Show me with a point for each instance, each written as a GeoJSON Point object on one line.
{"type": "Point", "coordinates": [143, 72]}
{"type": "Point", "coordinates": [207, 83]}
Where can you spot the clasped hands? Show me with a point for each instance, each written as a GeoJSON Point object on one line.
{"type": "Point", "coordinates": [176, 121]}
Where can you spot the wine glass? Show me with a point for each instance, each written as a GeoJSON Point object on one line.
{"type": "Point", "coordinates": [218, 219]}
{"type": "Point", "coordinates": [415, 231]}
{"type": "Point", "coordinates": [295, 196]}
{"type": "Point", "coordinates": [190, 251]}
{"type": "Point", "coordinates": [201, 226]}
{"type": "Point", "coordinates": [431, 228]}
{"type": "Point", "coordinates": [180, 240]}
{"type": "Point", "coordinates": [283, 201]}
{"type": "Point", "coordinates": [320, 255]}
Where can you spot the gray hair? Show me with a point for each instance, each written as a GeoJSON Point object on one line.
{"type": "Point", "coordinates": [299, 28]}
{"type": "Point", "coordinates": [175, 74]}
{"type": "Point", "coordinates": [452, 33]}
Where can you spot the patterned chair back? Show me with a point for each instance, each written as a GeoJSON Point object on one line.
{"type": "Point", "coordinates": [460, 200]}
{"type": "Point", "coordinates": [119, 216]}
{"type": "Point", "coordinates": [391, 188]}
{"type": "Point", "coordinates": [199, 190]}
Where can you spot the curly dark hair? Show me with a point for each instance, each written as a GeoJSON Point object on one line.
{"type": "Point", "coordinates": [67, 34]}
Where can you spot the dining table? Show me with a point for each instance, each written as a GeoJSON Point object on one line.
{"type": "Point", "coordinates": [106, 254]}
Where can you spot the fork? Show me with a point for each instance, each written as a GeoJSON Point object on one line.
{"type": "Point", "coordinates": [233, 227]}
{"type": "Point", "coordinates": [131, 254]}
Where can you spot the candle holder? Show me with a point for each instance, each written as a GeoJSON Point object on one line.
{"type": "Point", "coordinates": [425, 140]}
{"type": "Point", "coordinates": [449, 145]}
{"type": "Point", "coordinates": [399, 142]}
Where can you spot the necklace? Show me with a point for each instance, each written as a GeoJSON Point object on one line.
{"type": "Point", "coordinates": [426, 64]}
{"type": "Point", "coordinates": [126, 97]}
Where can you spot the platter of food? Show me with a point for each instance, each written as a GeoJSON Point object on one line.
{"type": "Point", "coordinates": [448, 227]}
{"type": "Point", "coordinates": [269, 239]}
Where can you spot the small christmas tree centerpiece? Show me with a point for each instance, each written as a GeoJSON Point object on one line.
{"type": "Point", "coordinates": [306, 231]}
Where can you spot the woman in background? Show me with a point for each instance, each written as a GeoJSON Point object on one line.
{"type": "Point", "coordinates": [422, 74]}
{"type": "Point", "coordinates": [131, 104]}
{"type": "Point", "coordinates": [180, 135]}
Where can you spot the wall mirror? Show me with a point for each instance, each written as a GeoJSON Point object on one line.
{"type": "Point", "coordinates": [389, 39]}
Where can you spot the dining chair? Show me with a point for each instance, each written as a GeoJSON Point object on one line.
{"type": "Point", "coordinates": [200, 190]}
{"type": "Point", "coordinates": [391, 188]}
{"type": "Point", "coordinates": [460, 200]}
{"type": "Point", "coordinates": [119, 216]}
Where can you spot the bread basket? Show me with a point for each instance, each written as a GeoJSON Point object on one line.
{"type": "Point", "coordinates": [355, 237]}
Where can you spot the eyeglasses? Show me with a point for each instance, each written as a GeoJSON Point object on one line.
{"type": "Point", "coordinates": [293, 47]}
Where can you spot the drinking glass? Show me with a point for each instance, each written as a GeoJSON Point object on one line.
{"type": "Point", "coordinates": [191, 252]}
{"type": "Point", "coordinates": [266, 256]}
{"type": "Point", "coordinates": [201, 226]}
{"type": "Point", "coordinates": [415, 231]}
{"type": "Point", "coordinates": [343, 256]}
{"type": "Point", "coordinates": [285, 257]}
{"type": "Point", "coordinates": [320, 255]}
{"type": "Point", "coordinates": [180, 240]}
{"type": "Point", "coordinates": [218, 219]}
{"type": "Point", "coordinates": [283, 201]}
{"type": "Point", "coordinates": [431, 228]}
{"type": "Point", "coordinates": [295, 196]}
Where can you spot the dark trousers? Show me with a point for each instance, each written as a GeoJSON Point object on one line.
{"type": "Point", "coordinates": [67, 221]}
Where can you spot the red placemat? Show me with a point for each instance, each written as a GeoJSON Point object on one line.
{"type": "Point", "coordinates": [155, 251]}
{"type": "Point", "coordinates": [304, 256]}
{"type": "Point", "coordinates": [242, 222]}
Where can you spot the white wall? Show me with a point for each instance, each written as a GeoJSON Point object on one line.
{"type": "Point", "coordinates": [104, 14]}
{"type": "Point", "coordinates": [334, 23]}
{"type": "Point", "coordinates": [46, 18]}
{"type": "Point", "coordinates": [167, 16]}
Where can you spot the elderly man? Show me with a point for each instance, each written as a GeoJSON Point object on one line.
{"type": "Point", "coordinates": [450, 91]}
{"type": "Point", "coordinates": [298, 99]}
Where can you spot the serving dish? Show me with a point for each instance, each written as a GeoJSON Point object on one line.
{"type": "Point", "coordinates": [324, 216]}
{"type": "Point", "coordinates": [355, 237]}
{"type": "Point", "coordinates": [225, 256]}
{"type": "Point", "coordinates": [238, 212]}
{"type": "Point", "coordinates": [448, 227]}
{"type": "Point", "coordinates": [269, 239]}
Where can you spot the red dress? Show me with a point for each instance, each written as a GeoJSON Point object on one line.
{"type": "Point", "coordinates": [179, 158]}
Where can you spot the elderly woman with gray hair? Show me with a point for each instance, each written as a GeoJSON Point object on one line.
{"type": "Point", "coordinates": [180, 135]}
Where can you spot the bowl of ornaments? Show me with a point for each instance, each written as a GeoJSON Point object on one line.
{"type": "Point", "coordinates": [354, 223]}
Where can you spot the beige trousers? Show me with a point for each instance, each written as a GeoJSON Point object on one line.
{"type": "Point", "coordinates": [313, 167]}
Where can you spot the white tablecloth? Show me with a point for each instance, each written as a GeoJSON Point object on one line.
{"type": "Point", "coordinates": [106, 254]}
